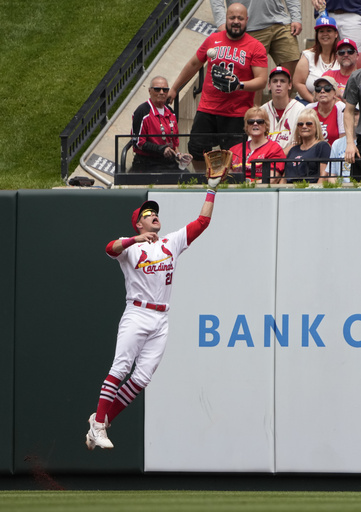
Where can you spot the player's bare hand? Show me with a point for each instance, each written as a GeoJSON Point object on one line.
{"type": "Point", "coordinates": [351, 152]}
{"type": "Point", "coordinates": [149, 237]}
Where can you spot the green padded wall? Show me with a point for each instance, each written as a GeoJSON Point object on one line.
{"type": "Point", "coordinates": [69, 298]}
{"type": "Point", "coordinates": [7, 279]}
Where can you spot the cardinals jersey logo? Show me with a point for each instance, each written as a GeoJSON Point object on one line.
{"type": "Point", "coordinates": [287, 126]}
{"type": "Point", "coordinates": [150, 267]}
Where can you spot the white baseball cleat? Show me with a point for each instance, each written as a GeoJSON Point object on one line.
{"type": "Point", "coordinates": [97, 435]}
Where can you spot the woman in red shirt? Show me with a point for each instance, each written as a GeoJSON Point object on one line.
{"type": "Point", "coordinates": [257, 124]}
{"type": "Point", "coordinates": [329, 111]}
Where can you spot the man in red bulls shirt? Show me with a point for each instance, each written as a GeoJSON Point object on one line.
{"type": "Point", "coordinates": [148, 262]}
{"type": "Point", "coordinates": [218, 111]}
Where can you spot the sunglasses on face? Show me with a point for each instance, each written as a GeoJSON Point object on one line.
{"type": "Point", "coordinates": [307, 123]}
{"type": "Point", "coordinates": [326, 88]}
{"type": "Point", "coordinates": [350, 51]}
{"type": "Point", "coordinates": [147, 213]}
{"type": "Point", "coordinates": [158, 89]}
{"type": "Point", "coordinates": [257, 121]}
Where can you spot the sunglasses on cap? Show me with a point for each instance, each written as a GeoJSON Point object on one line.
{"type": "Point", "coordinates": [158, 89]}
{"type": "Point", "coordinates": [349, 51]}
{"type": "Point", "coordinates": [326, 88]}
{"type": "Point", "coordinates": [257, 121]}
{"type": "Point", "coordinates": [307, 123]}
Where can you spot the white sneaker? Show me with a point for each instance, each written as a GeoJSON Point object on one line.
{"type": "Point", "coordinates": [97, 435]}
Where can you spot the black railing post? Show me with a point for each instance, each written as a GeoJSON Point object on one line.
{"type": "Point", "coordinates": [64, 157]}
{"type": "Point", "coordinates": [266, 172]}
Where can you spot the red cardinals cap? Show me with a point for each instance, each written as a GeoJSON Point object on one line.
{"type": "Point", "coordinates": [325, 21]}
{"type": "Point", "coordinates": [347, 41]}
{"type": "Point", "coordinates": [148, 205]}
{"type": "Point", "coordinates": [280, 69]}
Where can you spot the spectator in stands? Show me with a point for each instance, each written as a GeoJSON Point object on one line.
{"type": "Point", "coordinates": [347, 14]}
{"type": "Point", "coordinates": [316, 60]}
{"type": "Point", "coordinates": [258, 146]}
{"type": "Point", "coordinates": [352, 95]}
{"type": "Point", "coordinates": [338, 150]}
{"type": "Point", "coordinates": [223, 112]}
{"type": "Point", "coordinates": [155, 154]}
{"type": "Point", "coordinates": [271, 24]}
{"type": "Point", "coordinates": [309, 144]}
{"type": "Point", "coordinates": [346, 56]}
{"type": "Point", "coordinates": [281, 109]}
{"type": "Point", "coordinates": [329, 110]}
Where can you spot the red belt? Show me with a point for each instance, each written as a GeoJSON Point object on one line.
{"type": "Point", "coordinates": [148, 305]}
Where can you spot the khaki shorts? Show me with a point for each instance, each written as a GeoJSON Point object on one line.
{"type": "Point", "coordinates": [279, 43]}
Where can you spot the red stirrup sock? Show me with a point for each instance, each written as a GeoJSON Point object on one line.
{"type": "Point", "coordinates": [107, 395]}
{"type": "Point", "coordinates": [126, 394]}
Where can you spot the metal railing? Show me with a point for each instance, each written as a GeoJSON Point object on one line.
{"type": "Point", "coordinates": [122, 177]}
{"type": "Point", "coordinates": [269, 167]}
{"type": "Point", "coordinates": [129, 65]}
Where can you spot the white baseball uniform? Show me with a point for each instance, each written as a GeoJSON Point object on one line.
{"type": "Point", "coordinates": [142, 334]}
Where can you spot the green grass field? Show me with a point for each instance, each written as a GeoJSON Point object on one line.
{"type": "Point", "coordinates": [178, 501]}
{"type": "Point", "coordinates": [53, 55]}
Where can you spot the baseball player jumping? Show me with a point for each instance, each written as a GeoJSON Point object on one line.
{"type": "Point", "coordinates": [148, 262]}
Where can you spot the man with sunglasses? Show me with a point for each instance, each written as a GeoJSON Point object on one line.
{"type": "Point", "coordinates": [148, 262]}
{"type": "Point", "coordinates": [154, 153]}
{"type": "Point", "coordinates": [346, 56]}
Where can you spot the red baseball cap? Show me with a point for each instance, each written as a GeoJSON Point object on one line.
{"type": "Point", "coordinates": [148, 205]}
{"type": "Point", "coordinates": [279, 69]}
{"type": "Point", "coordinates": [347, 41]}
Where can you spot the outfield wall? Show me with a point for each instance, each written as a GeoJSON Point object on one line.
{"type": "Point", "coordinates": [261, 372]}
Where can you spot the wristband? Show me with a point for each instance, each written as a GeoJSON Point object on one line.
{"type": "Point", "coordinates": [210, 195]}
{"type": "Point", "coordinates": [127, 242]}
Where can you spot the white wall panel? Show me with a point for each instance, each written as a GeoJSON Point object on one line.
{"type": "Point", "coordinates": [318, 399]}
{"type": "Point", "coordinates": [212, 408]}
{"type": "Point", "coordinates": [284, 403]}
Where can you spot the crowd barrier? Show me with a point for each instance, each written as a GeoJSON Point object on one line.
{"type": "Point", "coordinates": [125, 176]}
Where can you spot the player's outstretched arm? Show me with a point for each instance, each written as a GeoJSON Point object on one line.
{"type": "Point", "coordinates": [196, 228]}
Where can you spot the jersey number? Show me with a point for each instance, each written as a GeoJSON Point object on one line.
{"type": "Point", "coordinates": [168, 278]}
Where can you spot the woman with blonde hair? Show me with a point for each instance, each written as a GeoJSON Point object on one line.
{"type": "Point", "coordinates": [257, 125]}
{"type": "Point", "coordinates": [309, 144]}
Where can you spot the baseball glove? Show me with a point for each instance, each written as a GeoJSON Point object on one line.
{"type": "Point", "coordinates": [223, 79]}
{"type": "Point", "coordinates": [218, 163]}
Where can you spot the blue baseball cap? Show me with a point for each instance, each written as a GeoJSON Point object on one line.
{"type": "Point", "coordinates": [325, 21]}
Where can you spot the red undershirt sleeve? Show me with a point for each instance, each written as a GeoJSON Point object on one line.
{"type": "Point", "coordinates": [195, 228]}
{"type": "Point", "coordinates": [109, 248]}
